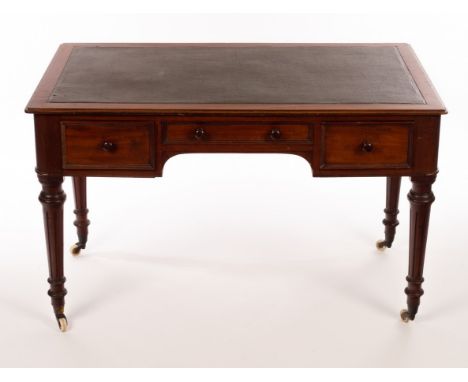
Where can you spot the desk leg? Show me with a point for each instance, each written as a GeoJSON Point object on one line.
{"type": "Point", "coordinates": [52, 198]}
{"type": "Point", "coordinates": [421, 198]}
{"type": "Point", "coordinates": [81, 212]}
{"type": "Point", "coordinates": [391, 212]}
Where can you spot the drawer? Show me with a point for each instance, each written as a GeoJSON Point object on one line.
{"type": "Point", "coordinates": [117, 145]}
{"type": "Point", "coordinates": [215, 133]}
{"type": "Point", "coordinates": [361, 145]}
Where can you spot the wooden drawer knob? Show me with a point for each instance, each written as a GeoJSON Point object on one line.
{"type": "Point", "coordinates": [108, 146]}
{"type": "Point", "coordinates": [275, 134]}
{"type": "Point", "coordinates": [367, 147]}
{"type": "Point", "coordinates": [199, 133]}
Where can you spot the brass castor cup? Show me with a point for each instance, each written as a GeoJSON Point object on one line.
{"type": "Point", "coordinates": [405, 316]}
{"type": "Point", "coordinates": [62, 322]}
{"type": "Point", "coordinates": [75, 249]}
{"type": "Point", "coordinates": [381, 245]}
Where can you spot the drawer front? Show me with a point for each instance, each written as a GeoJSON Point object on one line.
{"type": "Point", "coordinates": [216, 133]}
{"type": "Point", "coordinates": [117, 145]}
{"type": "Point", "coordinates": [366, 145]}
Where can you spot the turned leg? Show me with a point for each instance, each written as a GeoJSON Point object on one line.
{"type": "Point", "coordinates": [421, 198]}
{"type": "Point", "coordinates": [391, 212]}
{"type": "Point", "coordinates": [52, 198]}
{"type": "Point", "coordinates": [81, 212]}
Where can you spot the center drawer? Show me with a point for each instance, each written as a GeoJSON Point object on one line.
{"type": "Point", "coordinates": [216, 133]}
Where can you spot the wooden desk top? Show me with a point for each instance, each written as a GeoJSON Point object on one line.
{"type": "Point", "coordinates": [313, 78]}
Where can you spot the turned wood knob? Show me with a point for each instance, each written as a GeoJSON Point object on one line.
{"type": "Point", "coordinates": [367, 147]}
{"type": "Point", "coordinates": [199, 133]}
{"type": "Point", "coordinates": [109, 146]}
{"type": "Point", "coordinates": [275, 133]}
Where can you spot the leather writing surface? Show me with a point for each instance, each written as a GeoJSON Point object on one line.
{"type": "Point", "coordinates": [237, 75]}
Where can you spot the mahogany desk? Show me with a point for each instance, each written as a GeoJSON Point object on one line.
{"type": "Point", "coordinates": [125, 109]}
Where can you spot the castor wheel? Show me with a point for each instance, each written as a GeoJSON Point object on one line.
{"type": "Point", "coordinates": [62, 323]}
{"type": "Point", "coordinates": [76, 249]}
{"type": "Point", "coordinates": [405, 316]}
{"type": "Point", "coordinates": [381, 245]}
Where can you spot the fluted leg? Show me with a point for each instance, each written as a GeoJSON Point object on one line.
{"type": "Point", "coordinates": [81, 212]}
{"type": "Point", "coordinates": [421, 198]}
{"type": "Point", "coordinates": [391, 211]}
{"type": "Point", "coordinates": [52, 198]}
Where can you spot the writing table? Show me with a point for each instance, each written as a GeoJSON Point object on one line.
{"type": "Point", "coordinates": [123, 110]}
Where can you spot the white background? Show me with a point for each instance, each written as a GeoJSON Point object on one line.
{"type": "Point", "coordinates": [232, 260]}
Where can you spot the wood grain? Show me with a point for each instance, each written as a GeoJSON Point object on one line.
{"type": "Point", "coordinates": [366, 145]}
{"type": "Point", "coordinates": [108, 145]}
